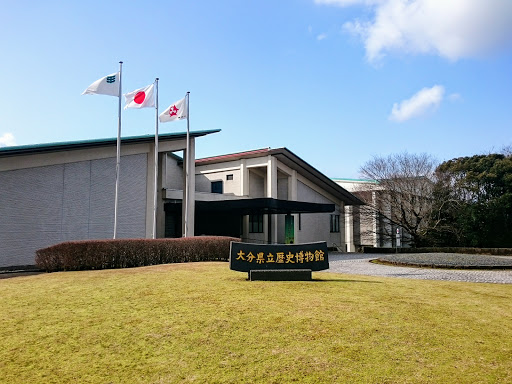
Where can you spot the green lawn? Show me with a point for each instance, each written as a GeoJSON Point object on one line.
{"type": "Point", "coordinates": [202, 323]}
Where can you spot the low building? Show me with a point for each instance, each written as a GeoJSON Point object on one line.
{"type": "Point", "coordinates": [360, 224]}
{"type": "Point", "coordinates": [375, 224]}
{"type": "Point", "coordinates": [263, 196]}
{"type": "Point", "coordinates": [57, 192]}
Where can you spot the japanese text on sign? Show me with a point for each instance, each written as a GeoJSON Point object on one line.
{"type": "Point", "coordinates": [245, 256]}
{"type": "Point", "coordinates": [281, 258]}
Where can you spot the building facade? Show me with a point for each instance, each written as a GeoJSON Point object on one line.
{"type": "Point", "coordinates": [370, 224]}
{"type": "Point", "coordinates": [57, 192]}
{"type": "Point", "coordinates": [263, 196]}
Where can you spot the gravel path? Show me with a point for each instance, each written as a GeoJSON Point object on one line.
{"type": "Point", "coordinates": [359, 264]}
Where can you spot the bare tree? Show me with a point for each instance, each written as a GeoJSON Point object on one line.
{"type": "Point", "coordinates": [399, 201]}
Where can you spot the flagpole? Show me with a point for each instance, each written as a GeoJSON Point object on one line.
{"type": "Point", "coordinates": [155, 197]}
{"type": "Point", "coordinates": [187, 167]}
{"type": "Point", "coordinates": [118, 157]}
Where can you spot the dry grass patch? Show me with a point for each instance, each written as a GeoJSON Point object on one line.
{"type": "Point", "coordinates": [202, 323]}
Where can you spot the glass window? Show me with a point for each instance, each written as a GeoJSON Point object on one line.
{"type": "Point", "coordinates": [217, 186]}
{"type": "Point", "coordinates": [335, 223]}
{"type": "Point", "coordinates": [256, 223]}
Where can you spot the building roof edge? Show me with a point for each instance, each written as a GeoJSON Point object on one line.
{"type": "Point", "coordinates": [80, 144]}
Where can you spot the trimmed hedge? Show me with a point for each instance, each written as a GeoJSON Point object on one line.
{"type": "Point", "coordinates": [468, 250]}
{"type": "Point", "coordinates": [128, 253]}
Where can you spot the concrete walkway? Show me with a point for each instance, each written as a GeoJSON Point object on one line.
{"type": "Point", "coordinates": [359, 264]}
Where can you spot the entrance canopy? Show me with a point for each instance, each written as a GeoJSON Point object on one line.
{"type": "Point", "coordinates": [264, 205]}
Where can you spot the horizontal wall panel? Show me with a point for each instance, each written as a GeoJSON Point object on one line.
{"type": "Point", "coordinates": [132, 197]}
{"type": "Point", "coordinates": [76, 201]}
{"type": "Point", "coordinates": [30, 214]}
{"type": "Point", "coordinates": [101, 211]}
{"type": "Point", "coordinates": [315, 226]}
{"type": "Point", "coordinates": [46, 205]}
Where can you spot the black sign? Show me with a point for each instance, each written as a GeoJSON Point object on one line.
{"type": "Point", "coordinates": [245, 257]}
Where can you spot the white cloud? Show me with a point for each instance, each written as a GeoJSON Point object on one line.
{"type": "Point", "coordinates": [425, 100]}
{"type": "Point", "coordinates": [455, 97]}
{"type": "Point", "coordinates": [7, 140]}
{"type": "Point", "coordinates": [321, 36]}
{"type": "Point", "coordinates": [452, 29]}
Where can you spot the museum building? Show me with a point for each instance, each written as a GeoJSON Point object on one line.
{"type": "Point", "coordinates": [50, 193]}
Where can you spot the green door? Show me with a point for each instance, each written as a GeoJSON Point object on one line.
{"type": "Point", "coordinates": [289, 229]}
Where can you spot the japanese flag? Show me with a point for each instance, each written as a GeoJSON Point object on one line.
{"type": "Point", "coordinates": [140, 98]}
{"type": "Point", "coordinates": [108, 85]}
{"type": "Point", "coordinates": [176, 111]}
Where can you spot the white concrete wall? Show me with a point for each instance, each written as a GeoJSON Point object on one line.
{"type": "Point", "coordinates": [173, 178]}
{"type": "Point", "coordinates": [282, 187]}
{"type": "Point", "coordinates": [256, 185]}
{"type": "Point", "coordinates": [282, 194]}
{"type": "Point", "coordinates": [205, 178]}
{"type": "Point", "coordinates": [265, 176]}
{"type": "Point", "coordinates": [316, 226]}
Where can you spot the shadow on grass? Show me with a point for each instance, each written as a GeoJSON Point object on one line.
{"type": "Point", "coordinates": [312, 281]}
{"type": "Point", "coordinates": [345, 281]}
{"type": "Point", "coordinates": [10, 275]}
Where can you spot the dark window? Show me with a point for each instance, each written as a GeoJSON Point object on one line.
{"type": "Point", "coordinates": [335, 223]}
{"type": "Point", "coordinates": [300, 222]}
{"type": "Point", "coordinates": [256, 223]}
{"type": "Point", "coordinates": [217, 186]}
{"type": "Point", "coordinates": [229, 177]}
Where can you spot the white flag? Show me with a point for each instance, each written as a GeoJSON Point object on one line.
{"type": "Point", "coordinates": [176, 111]}
{"type": "Point", "coordinates": [108, 85]}
{"type": "Point", "coordinates": [140, 98]}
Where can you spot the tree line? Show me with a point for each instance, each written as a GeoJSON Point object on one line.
{"type": "Point", "coordinates": [463, 202]}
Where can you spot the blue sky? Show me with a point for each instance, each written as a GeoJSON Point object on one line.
{"type": "Point", "coordinates": [334, 81]}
